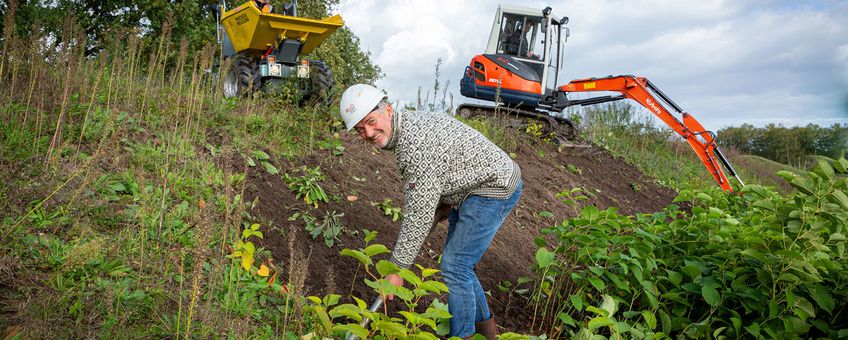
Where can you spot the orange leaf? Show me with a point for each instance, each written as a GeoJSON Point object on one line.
{"type": "Point", "coordinates": [272, 279]}
{"type": "Point", "coordinates": [263, 271]}
{"type": "Point", "coordinates": [285, 288]}
{"type": "Point", "coordinates": [201, 204]}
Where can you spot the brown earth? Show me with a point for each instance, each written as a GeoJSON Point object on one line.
{"type": "Point", "coordinates": [371, 175]}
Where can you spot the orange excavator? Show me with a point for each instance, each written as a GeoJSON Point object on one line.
{"type": "Point", "coordinates": [519, 72]}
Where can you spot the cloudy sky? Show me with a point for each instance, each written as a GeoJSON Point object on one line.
{"type": "Point", "coordinates": [726, 62]}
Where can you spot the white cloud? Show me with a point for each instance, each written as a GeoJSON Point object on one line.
{"type": "Point", "coordinates": [727, 62]}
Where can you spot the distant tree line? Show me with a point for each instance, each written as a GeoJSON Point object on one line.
{"type": "Point", "coordinates": [788, 145]}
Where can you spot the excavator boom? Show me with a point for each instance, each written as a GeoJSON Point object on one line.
{"type": "Point", "coordinates": [643, 91]}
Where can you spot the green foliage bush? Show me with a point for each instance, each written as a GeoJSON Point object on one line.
{"type": "Point", "coordinates": [756, 264]}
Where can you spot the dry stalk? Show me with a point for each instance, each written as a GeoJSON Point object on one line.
{"type": "Point", "coordinates": [150, 64]}
{"type": "Point", "coordinates": [34, 67]}
{"type": "Point", "coordinates": [67, 47]}
{"type": "Point", "coordinates": [8, 26]}
{"type": "Point", "coordinates": [101, 63]}
{"type": "Point", "coordinates": [190, 110]}
{"type": "Point", "coordinates": [201, 253]}
{"type": "Point", "coordinates": [132, 42]}
{"type": "Point", "coordinates": [164, 47]}
{"type": "Point", "coordinates": [177, 80]}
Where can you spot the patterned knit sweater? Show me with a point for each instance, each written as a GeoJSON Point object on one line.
{"type": "Point", "coordinates": [442, 160]}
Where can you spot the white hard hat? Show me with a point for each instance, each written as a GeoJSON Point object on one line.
{"type": "Point", "coordinates": [357, 102]}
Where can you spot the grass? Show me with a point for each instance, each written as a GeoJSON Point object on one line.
{"type": "Point", "coordinates": [660, 153]}
{"type": "Point", "coordinates": [121, 191]}
{"type": "Point", "coordinates": [634, 136]}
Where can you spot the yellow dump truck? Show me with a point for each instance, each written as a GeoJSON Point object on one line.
{"type": "Point", "coordinates": [264, 49]}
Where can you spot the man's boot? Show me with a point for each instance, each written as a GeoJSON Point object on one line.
{"type": "Point", "coordinates": [487, 328]}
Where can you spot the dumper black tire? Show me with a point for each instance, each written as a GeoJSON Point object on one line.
{"type": "Point", "coordinates": [318, 91]}
{"type": "Point", "coordinates": [242, 78]}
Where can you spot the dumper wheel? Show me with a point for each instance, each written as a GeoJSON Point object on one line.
{"type": "Point", "coordinates": [318, 91]}
{"type": "Point", "coordinates": [242, 78]}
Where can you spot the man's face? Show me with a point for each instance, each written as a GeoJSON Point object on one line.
{"type": "Point", "coordinates": [376, 127]}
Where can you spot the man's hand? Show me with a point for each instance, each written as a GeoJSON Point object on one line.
{"type": "Point", "coordinates": [396, 280]}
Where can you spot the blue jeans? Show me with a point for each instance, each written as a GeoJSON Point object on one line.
{"type": "Point", "coordinates": [471, 227]}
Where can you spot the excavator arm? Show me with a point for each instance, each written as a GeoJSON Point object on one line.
{"type": "Point", "coordinates": [642, 91]}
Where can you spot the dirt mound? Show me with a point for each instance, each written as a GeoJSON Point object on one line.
{"type": "Point", "coordinates": [372, 176]}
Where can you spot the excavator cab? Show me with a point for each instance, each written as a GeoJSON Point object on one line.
{"type": "Point", "coordinates": [521, 60]}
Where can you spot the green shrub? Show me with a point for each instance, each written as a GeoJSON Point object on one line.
{"type": "Point", "coordinates": [757, 264]}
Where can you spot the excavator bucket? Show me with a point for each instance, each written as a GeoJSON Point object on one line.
{"type": "Point", "coordinates": [252, 31]}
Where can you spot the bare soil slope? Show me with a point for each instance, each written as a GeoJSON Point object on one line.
{"type": "Point", "coordinates": [372, 176]}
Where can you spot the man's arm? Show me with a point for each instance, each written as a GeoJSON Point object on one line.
{"type": "Point", "coordinates": [422, 194]}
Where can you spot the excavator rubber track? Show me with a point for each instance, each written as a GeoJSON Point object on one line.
{"type": "Point", "coordinates": [564, 130]}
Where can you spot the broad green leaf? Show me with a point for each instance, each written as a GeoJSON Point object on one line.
{"type": "Point", "coordinates": [117, 187]}
{"type": "Point", "coordinates": [540, 242]}
{"type": "Point", "coordinates": [436, 313]}
{"type": "Point", "coordinates": [692, 271]}
{"type": "Point", "coordinates": [804, 309]}
{"type": "Point", "coordinates": [321, 313]}
{"type": "Point", "coordinates": [545, 214]}
{"type": "Point", "coordinates": [598, 311]}
{"type": "Point", "coordinates": [675, 277]}
{"type": "Point", "coordinates": [609, 305]}
{"type": "Point", "coordinates": [314, 299]}
{"type": "Point", "coordinates": [804, 185]}
{"type": "Point", "coordinates": [413, 318]}
{"type": "Point", "coordinates": [434, 286]}
{"type": "Point", "coordinates": [427, 272]}
{"type": "Point", "coordinates": [347, 310]}
{"type": "Point", "coordinates": [650, 319]}
{"type": "Point", "coordinates": [754, 329]}
{"type": "Point", "coordinates": [544, 257]}
{"type": "Point", "coordinates": [841, 165]}
{"type": "Point", "coordinates": [597, 283]}
{"type": "Point", "coordinates": [376, 249]}
{"type": "Point", "coordinates": [352, 328]}
{"type": "Point", "coordinates": [386, 268]}
{"type": "Point", "coordinates": [704, 197]}
{"type": "Point", "coordinates": [357, 255]}
{"type": "Point", "coordinates": [836, 237]}
{"type": "Point", "coordinates": [392, 329]}
{"type": "Point", "coordinates": [764, 204]}
{"type": "Point", "coordinates": [788, 278]}
{"type": "Point", "coordinates": [841, 198]}
{"type": "Point", "coordinates": [404, 293]}
{"type": "Point", "coordinates": [665, 319]}
{"type": "Point", "coordinates": [331, 299]}
{"type": "Point", "coordinates": [599, 322]}
{"type": "Point", "coordinates": [577, 301]}
{"type": "Point", "coordinates": [754, 253]}
{"type": "Point", "coordinates": [710, 295]}
{"type": "Point", "coordinates": [270, 168]}
{"type": "Point", "coordinates": [774, 308]}
{"type": "Point", "coordinates": [822, 298]}
{"type": "Point", "coordinates": [566, 319]}
{"type": "Point", "coordinates": [360, 303]}
{"type": "Point", "coordinates": [796, 325]}
{"type": "Point", "coordinates": [786, 175]}
{"type": "Point", "coordinates": [824, 169]}
{"type": "Point", "coordinates": [410, 277]}
{"type": "Point", "coordinates": [422, 335]}
{"type": "Point", "coordinates": [261, 155]}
